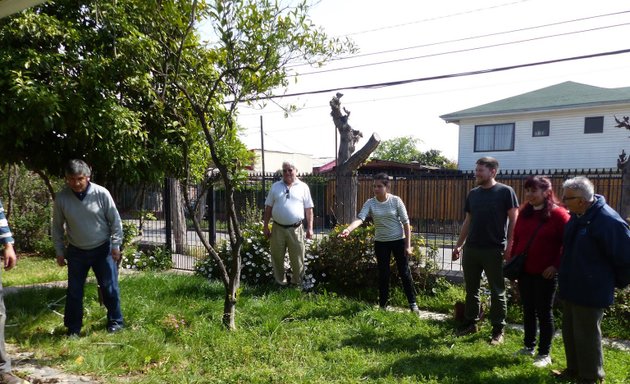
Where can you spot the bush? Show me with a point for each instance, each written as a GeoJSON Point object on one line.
{"type": "Point", "coordinates": [256, 259]}
{"type": "Point", "coordinates": [346, 265]}
{"type": "Point", "coordinates": [157, 259]}
{"type": "Point", "coordinates": [153, 259]}
{"type": "Point", "coordinates": [349, 265]}
{"type": "Point", "coordinates": [31, 206]}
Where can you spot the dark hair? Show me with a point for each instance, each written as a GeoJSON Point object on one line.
{"type": "Point", "coordinates": [551, 201]}
{"type": "Point", "coordinates": [383, 178]}
{"type": "Point", "coordinates": [489, 162]}
{"type": "Point", "coordinates": [77, 167]}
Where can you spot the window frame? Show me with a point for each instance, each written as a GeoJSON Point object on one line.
{"type": "Point", "coordinates": [477, 138]}
{"type": "Point", "coordinates": [543, 128]}
{"type": "Point", "coordinates": [596, 124]}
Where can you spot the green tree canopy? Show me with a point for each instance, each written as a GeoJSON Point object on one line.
{"type": "Point", "coordinates": [404, 150]}
{"type": "Point", "coordinates": [76, 82]}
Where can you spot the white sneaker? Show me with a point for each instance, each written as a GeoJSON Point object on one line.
{"type": "Point", "coordinates": [525, 351]}
{"type": "Point", "coordinates": [542, 361]}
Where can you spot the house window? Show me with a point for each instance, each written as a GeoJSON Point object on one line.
{"type": "Point", "coordinates": [594, 124]}
{"type": "Point", "coordinates": [495, 137]}
{"type": "Point", "coordinates": [540, 128]}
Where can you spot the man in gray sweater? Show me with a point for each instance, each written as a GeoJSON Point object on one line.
{"type": "Point", "coordinates": [86, 213]}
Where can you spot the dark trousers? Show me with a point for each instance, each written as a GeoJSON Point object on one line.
{"type": "Point", "coordinates": [475, 261]}
{"type": "Point", "coordinates": [5, 361]}
{"type": "Point", "coordinates": [383, 251]}
{"type": "Point", "coordinates": [582, 337]}
{"type": "Point", "coordinates": [106, 271]}
{"type": "Point", "coordinates": [537, 294]}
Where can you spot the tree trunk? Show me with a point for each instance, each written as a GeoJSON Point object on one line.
{"type": "Point", "coordinates": [229, 311]}
{"type": "Point", "coordinates": [347, 182]}
{"type": "Point", "coordinates": [229, 315]}
{"type": "Point", "coordinates": [177, 216]}
{"type": "Point", "coordinates": [347, 163]}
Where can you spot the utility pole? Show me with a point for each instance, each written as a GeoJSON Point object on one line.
{"type": "Point", "coordinates": [262, 156]}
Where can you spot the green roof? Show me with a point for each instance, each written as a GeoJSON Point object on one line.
{"type": "Point", "coordinates": [565, 95]}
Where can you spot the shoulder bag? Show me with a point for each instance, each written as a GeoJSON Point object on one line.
{"type": "Point", "coordinates": [513, 268]}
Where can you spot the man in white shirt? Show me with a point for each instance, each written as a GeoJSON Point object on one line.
{"type": "Point", "coordinates": [289, 202]}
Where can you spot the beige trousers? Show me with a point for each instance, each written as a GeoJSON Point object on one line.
{"type": "Point", "coordinates": [293, 240]}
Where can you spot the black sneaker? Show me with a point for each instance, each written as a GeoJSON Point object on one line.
{"type": "Point", "coordinates": [114, 328]}
{"type": "Point", "coordinates": [74, 334]}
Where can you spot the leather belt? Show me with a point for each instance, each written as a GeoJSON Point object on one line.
{"type": "Point", "coordinates": [295, 225]}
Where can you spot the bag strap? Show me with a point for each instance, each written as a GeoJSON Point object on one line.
{"type": "Point", "coordinates": [531, 239]}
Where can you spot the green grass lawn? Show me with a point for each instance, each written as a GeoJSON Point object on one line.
{"type": "Point", "coordinates": [31, 269]}
{"type": "Point", "coordinates": [174, 335]}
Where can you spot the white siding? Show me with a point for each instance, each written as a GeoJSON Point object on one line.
{"type": "Point", "coordinates": [274, 159]}
{"type": "Point", "coordinates": [566, 147]}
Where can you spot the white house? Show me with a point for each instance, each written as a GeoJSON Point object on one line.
{"type": "Point", "coordinates": [9, 7]}
{"type": "Point", "coordinates": [564, 126]}
{"type": "Point", "coordinates": [274, 159]}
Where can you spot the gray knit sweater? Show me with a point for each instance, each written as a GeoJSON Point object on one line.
{"type": "Point", "coordinates": [89, 222]}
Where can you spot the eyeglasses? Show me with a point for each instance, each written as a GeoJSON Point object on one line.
{"type": "Point", "coordinates": [286, 193]}
{"type": "Point", "coordinates": [565, 198]}
{"type": "Point", "coordinates": [287, 170]}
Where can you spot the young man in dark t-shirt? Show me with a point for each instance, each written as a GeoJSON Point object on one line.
{"type": "Point", "coordinates": [491, 210]}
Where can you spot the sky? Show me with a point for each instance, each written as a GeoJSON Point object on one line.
{"type": "Point", "coordinates": [423, 39]}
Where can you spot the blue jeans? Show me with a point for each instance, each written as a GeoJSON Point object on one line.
{"type": "Point", "coordinates": [106, 271]}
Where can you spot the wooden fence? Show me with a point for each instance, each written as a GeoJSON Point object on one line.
{"type": "Point", "coordinates": [440, 197]}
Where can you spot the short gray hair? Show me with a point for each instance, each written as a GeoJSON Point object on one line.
{"type": "Point", "coordinates": [78, 167]}
{"type": "Point", "coordinates": [289, 164]}
{"type": "Point", "coordinates": [582, 185]}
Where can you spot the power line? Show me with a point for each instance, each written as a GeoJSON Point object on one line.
{"type": "Point", "coordinates": [461, 50]}
{"type": "Point", "coordinates": [445, 76]}
{"type": "Point", "coordinates": [436, 18]}
{"type": "Point", "coordinates": [258, 112]}
{"type": "Point", "coordinates": [466, 38]}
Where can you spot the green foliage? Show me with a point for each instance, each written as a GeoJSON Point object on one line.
{"type": "Point", "coordinates": [30, 209]}
{"type": "Point", "coordinates": [349, 264]}
{"type": "Point", "coordinates": [618, 314]}
{"type": "Point", "coordinates": [333, 263]}
{"type": "Point", "coordinates": [130, 232]}
{"type": "Point", "coordinates": [434, 157]}
{"type": "Point", "coordinates": [404, 150]}
{"type": "Point", "coordinates": [155, 259]}
{"type": "Point", "coordinates": [77, 80]}
{"type": "Point", "coordinates": [256, 259]}
{"type": "Point", "coordinates": [251, 214]}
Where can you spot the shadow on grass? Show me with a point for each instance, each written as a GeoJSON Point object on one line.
{"type": "Point", "coordinates": [454, 369]}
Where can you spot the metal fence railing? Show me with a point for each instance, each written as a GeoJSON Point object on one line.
{"type": "Point", "coordinates": [435, 203]}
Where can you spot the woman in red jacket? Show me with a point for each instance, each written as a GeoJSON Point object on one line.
{"type": "Point", "coordinates": [541, 219]}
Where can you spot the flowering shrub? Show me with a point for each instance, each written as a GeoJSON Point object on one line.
{"type": "Point", "coordinates": [256, 259]}
{"type": "Point", "coordinates": [344, 264]}
{"type": "Point", "coordinates": [156, 259]}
